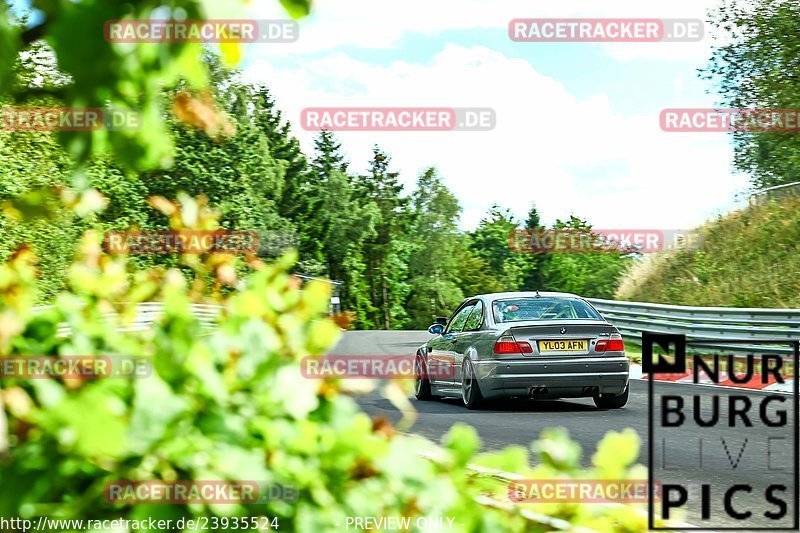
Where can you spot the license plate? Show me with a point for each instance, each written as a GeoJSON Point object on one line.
{"type": "Point", "coordinates": [563, 346]}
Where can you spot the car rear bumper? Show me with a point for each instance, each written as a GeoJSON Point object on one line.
{"type": "Point", "coordinates": [552, 378]}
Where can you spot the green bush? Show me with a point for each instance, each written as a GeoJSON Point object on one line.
{"type": "Point", "coordinates": [747, 259]}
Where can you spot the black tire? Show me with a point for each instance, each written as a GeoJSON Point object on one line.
{"type": "Point", "coordinates": [422, 386]}
{"type": "Point", "coordinates": [470, 392]}
{"type": "Point", "coordinates": [607, 401]}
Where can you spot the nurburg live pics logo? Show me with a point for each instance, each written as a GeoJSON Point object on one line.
{"type": "Point", "coordinates": [699, 431]}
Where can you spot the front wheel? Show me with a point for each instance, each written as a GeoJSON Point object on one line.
{"type": "Point", "coordinates": [607, 401]}
{"type": "Point", "coordinates": [470, 393]}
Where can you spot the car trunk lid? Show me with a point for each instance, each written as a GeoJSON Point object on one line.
{"type": "Point", "coordinates": [576, 337]}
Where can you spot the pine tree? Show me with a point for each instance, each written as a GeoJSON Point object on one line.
{"type": "Point", "coordinates": [338, 227]}
{"type": "Point", "coordinates": [534, 220]}
{"type": "Point", "coordinates": [295, 200]}
{"type": "Point", "coordinates": [490, 242]}
{"type": "Point", "coordinates": [329, 157]}
{"type": "Point", "coordinates": [383, 252]}
{"type": "Point", "coordinates": [325, 201]}
{"type": "Point", "coordinates": [534, 263]}
{"type": "Point", "coordinates": [433, 272]}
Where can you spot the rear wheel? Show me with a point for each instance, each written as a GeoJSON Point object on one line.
{"type": "Point", "coordinates": [422, 385]}
{"type": "Point", "coordinates": [607, 401]}
{"type": "Point", "coordinates": [470, 393]}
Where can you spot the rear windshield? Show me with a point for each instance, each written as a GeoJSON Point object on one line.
{"type": "Point", "coordinates": [543, 308]}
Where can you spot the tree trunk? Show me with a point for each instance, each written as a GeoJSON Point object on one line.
{"type": "Point", "coordinates": [385, 301]}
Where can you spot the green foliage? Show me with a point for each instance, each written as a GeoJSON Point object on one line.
{"type": "Point", "coordinates": [122, 76]}
{"type": "Point", "coordinates": [385, 252]}
{"type": "Point", "coordinates": [594, 275]}
{"type": "Point", "coordinates": [490, 242]}
{"type": "Point", "coordinates": [474, 275]}
{"type": "Point", "coordinates": [755, 66]}
{"type": "Point", "coordinates": [534, 275]}
{"type": "Point", "coordinates": [747, 259]}
{"type": "Point", "coordinates": [227, 404]}
{"type": "Point", "coordinates": [614, 459]}
{"type": "Point", "coordinates": [335, 225]}
{"type": "Point", "coordinates": [9, 44]}
{"type": "Point", "coordinates": [241, 176]}
{"type": "Point", "coordinates": [232, 404]}
{"type": "Point", "coordinates": [433, 263]}
{"type": "Point", "coordinates": [297, 8]}
{"type": "Point", "coordinates": [401, 257]}
{"type": "Point", "coordinates": [31, 166]}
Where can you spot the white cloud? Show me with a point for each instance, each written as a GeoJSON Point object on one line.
{"type": "Point", "coordinates": [547, 143]}
{"type": "Point", "coordinates": [381, 25]}
{"type": "Point", "coordinates": [567, 154]}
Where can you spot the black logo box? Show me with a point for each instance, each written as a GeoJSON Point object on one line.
{"type": "Point", "coordinates": [665, 340]}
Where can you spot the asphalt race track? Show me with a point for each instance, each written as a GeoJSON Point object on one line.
{"type": "Point", "coordinates": [521, 421]}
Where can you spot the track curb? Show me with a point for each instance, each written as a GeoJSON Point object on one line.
{"type": "Point", "coordinates": [687, 378]}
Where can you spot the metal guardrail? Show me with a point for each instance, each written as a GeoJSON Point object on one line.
{"type": "Point", "coordinates": [762, 196]}
{"type": "Point", "coordinates": [715, 324]}
{"type": "Point", "coordinates": [145, 315]}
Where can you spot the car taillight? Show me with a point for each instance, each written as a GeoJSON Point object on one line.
{"type": "Point", "coordinates": [509, 345]}
{"type": "Point", "coordinates": [613, 344]}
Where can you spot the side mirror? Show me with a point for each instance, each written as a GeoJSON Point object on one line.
{"type": "Point", "coordinates": [440, 320]}
{"type": "Point", "coordinates": [436, 329]}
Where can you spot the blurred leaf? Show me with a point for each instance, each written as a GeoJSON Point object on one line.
{"type": "Point", "coordinates": [616, 451]}
{"type": "Point", "coordinates": [9, 44]}
{"type": "Point", "coordinates": [231, 53]}
{"type": "Point", "coordinates": [202, 113]}
{"type": "Point", "coordinates": [463, 440]}
{"type": "Point", "coordinates": [35, 204]}
{"type": "Point", "coordinates": [297, 8]}
{"type": "Point", "coordinates": [155, 407]}
{"type": "Point", "coordinates": [296, 393]}
{"type": "Point", "coordinates": [556, 449]}
{"type": "Point", "coordinates": [100, 432]}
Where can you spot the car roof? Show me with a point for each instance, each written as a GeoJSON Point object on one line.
{"type": "Point", "coordinates": [523, 294]}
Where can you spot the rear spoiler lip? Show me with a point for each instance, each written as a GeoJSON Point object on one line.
{"type": "Point", "coordinates": [516, 331]}
{"type": "Point", "coordinates": [544, 323]}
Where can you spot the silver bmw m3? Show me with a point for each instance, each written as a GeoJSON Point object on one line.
{"type": "Point", "coordinates": [523, 344]}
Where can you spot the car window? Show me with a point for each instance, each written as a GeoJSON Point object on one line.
{"type": "Point", "coordinates": [457, 324]}
{"type": "Point", "coordinates": [586, 311]}
{"type": "Point", "coordinates": [475, 318]}
{"type": "Point", "coordinates": [542, 308]}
